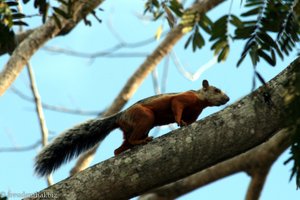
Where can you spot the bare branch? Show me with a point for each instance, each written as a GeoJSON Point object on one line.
{"type": "Point", "coordinates": [257, 182]}
{"type": "Point", "coordinates": [20, 149]}
{"type": "Point", "coordinates": [192, 76]}
{"type": "Point", "coordinates": [142, 72]}
{"type": "Point", "coordinates": [109, 54]}
{"type": "Point", "coordinates": [53, 107]}
{"type": "Point", "coordinates": [40, 113]}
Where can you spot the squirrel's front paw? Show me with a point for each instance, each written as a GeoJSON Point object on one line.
{"type": "Point", "coordinates": [148, 139]}
{"type": "Point", "coordinates": [182, 123]}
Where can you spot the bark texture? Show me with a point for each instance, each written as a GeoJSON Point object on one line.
{"type": "Point", "coordinates": [238, 128]}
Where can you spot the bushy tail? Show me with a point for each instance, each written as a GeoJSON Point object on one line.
{"type": "Point", "coordinates": [73, 142]}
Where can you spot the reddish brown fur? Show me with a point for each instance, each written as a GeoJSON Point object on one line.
{"type": "Point", "coordinates": [182, 108]}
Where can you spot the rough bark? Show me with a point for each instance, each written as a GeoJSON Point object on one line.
{"type": "Point", "coordinates": [230, 132]}
{"type": "Point", "coordinates": [39, 37]}
{"type": "Point", "coordinates": [255, 161]}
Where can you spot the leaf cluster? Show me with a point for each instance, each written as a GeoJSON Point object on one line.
{"type": "Point", "coordinates": [9, 14]}
{"type": "Point", "coordinates": [217, 31]}
{"type": "Point", "coordinates": [44, 6]}
{"type": "Point", "coordinates": [294, 122]}
{"type": "Point", "coordinates": [9, 17]}
{"type": "Point", "coordinates": [171, 9]}
{"type": "Point", "coordinates": [267, 18]}
{"type": "Point", "coordinates": [3, 197]}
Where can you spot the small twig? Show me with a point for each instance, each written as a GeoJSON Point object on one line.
{"type": "Point", "coordinates": [155, 81]}
{"type": "Point", "coordinates": [40, 113]}
{"type": "Point", "coordinates": [20, 149]}
{"type": "Point", "coordinates": [165, 74]}
{"type": "Point", "coordinates": [192, 76]}
{"type": "Point", "coordinates": [105, 53]}
{"type": "Point", "coordinates": [55, 108]}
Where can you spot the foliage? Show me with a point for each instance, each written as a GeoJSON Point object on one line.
{"type": "Point", "coordinates": [9, 16]}
{"type": "Point", "coordinates": [270, 28]}
{"type": "Point", "coordinates": [171, 9]}
{"type": "Point", "coordinates": [3, 197]}
{"type": "Point", "coordinates": [272, 17]}
{"type": "Point", "coordinates": [293, 113]}
{"type": "Point", "coordinates": [57, 12]}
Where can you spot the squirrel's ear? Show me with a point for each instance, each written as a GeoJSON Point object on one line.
{"type": "Point", "coordinates": [205, 84]}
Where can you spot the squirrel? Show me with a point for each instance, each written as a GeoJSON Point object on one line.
{"type": "Point", "coordinates": [135, 122]}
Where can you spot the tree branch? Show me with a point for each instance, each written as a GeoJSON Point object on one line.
{"type": "Point", "coordinates": [228, 133]}
{"type": "Point", "coordinates": [142, 72]}
{"type": "Point", "coordinates": [39, 37]}
{"type": "Point", "coordinates": [40, 113]}
{"type": "Point", "coordinates": [257, 182]}
{"type": "Point", "coordinates": [255, 159]}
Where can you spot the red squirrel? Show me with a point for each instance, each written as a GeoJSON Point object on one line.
{"type": "Point", "coordinates": [135, 122]}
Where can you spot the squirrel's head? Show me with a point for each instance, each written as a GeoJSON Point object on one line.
{"type": "Point", "coordinates": [214, 96]}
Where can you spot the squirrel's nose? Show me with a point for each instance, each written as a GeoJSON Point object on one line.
{"type": "Point", "coordinates": [226, 99]}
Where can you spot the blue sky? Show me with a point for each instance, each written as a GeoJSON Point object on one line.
{"type": "Point", "coordinates": [86, 84]}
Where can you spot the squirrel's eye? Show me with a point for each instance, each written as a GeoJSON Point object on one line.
{"type": "Point", "coordinates": [217, 90]}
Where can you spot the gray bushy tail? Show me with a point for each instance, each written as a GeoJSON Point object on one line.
{"type": "Point", "coordinates": [73, 142]}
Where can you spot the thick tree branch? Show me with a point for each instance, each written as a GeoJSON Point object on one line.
{"type": "Point", "coordinates": [39, 37]}
{"type": "Point", "coordinates": [238, 128]}
{"type": "Point", "coordinates": [142, 72]}
{"type": "Point", "coordinates": [253, 160]}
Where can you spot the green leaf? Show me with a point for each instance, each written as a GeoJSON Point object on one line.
{"type": "Point", "coordinates": [20, 23]}
{"type": "Point", "coordinates": [224, 53]}
{"type": "Point", "coordinates": [12, 3]}
{"type": "Point", "coordinates": [254, 3]}
{"type": "Point", "coordinates": [188, 41]}
{"type": "Point", "coordinates": [57, 21]}
{"type": "Point", "coordinates": [266, 57]}
{"type": "Point", "coordinates": [254, 11]}
{"type": "Point", "coordinates": [253, 56]}
{"type": "Point", "coordinates": [61, 12]}
{"type": "Point", "coordinates": [219, 28]}
{"type": "Point", "coordinates": [18, 16]}
{"type": "Point", "coordinates": [244, 33]}
{"type": "Point", "coordinates": [241, 60]}
{"type": "Point", "coordinates": [176, 7]}
{"type": "Point", "coordinates": [25, 1]}
{"type": "Point", "coordinates": [198, 40]}
{"type": "Point", "coordinates": [205, 23]}
{"type": "Point", "coordinates": [234, 20]}
{"type": "Point", "coordinates": [260, 78]}
{"type": "Point", "coordinates": [221, 21]}
{"type": "Point", "coordinates": [171, 19]}
{"type": "Point", "coordinates": [155, 3]}
{"type": "Point", "coordinates": [45, 9]}
{"type": "Point", "coordinates": [219, 44]}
